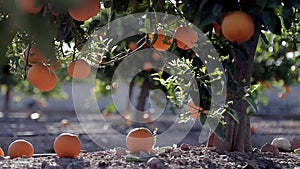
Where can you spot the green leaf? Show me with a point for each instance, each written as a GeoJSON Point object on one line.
{"type": "Point", "coordinates": [264, 38]}
{"type": "Point", "coordinates": [220, 131]}
{"type": "Point", "coordinates": [272, 3]}
{"type": "Point", "coordinates": [288, 17]}
{"type": "Point", "coordinates": [272, 21]}
{"type": "Point", "coordinates": [233, 114]}
{"type": "Point", "coordinates": [252, 104]}
{"type": "Point", "coordinates": [217, 9]}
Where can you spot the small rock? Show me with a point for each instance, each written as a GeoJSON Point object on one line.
{"type": "Point", "coordinates": [44, 164]}
{"type": "Point", "coordinates": [161, 166]}
{"type": "Point", "coordinates": [240, 158]}
{"type": "Point", "coordinates": [281, 144]}
{"type": "Point", "coordinates": [297, 151]}
{"type": "Point", "coordinates": [270, 148]}
{"type": "Point", "coordinates": [168, 149]}
{"type": "Point", "coordinates": [181, 161]}
{"type": "Point", "coordinates": [175, 154]}
{"type": "Point", "coordinates": [153, 162]}
{"type": "Point", "coordinates": [255, 150]}
{"type": "Point", "coordinates": [120, 151]}
{"type": "Point", "coordinates": [102, 164]}
{"type": "Point", "coordinates": [2, 158]}
{"type": "Point", "coordinates": [295, 143]}
{"type": "Point", "coordinates": [185, 147]}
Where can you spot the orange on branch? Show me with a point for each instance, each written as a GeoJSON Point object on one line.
{"type": "Point", "coordinates": [85, 10]}
{"type": "Point", "coordinates": [51, 84]}
{"type": "Point", "coordinates": [238, 27]}
{"type": "Point", "coordinates": [67, 145]}
{"type": "Point", "coordinates": [140, 139]}
{"type": "Point", "coordinates": [38, 75]}
{"type": "Point", "coordinates": [162, 42]}
{"type": "Point", "coordinates": [186, 37]}
{"type": "Point", "coordinates": [194, 110]}
{"type": "Point", "coordinates": [132, 46]}
{"type": "Point", "coordinates": [35, 55]}
{"type": "Point", "coordinates": [79, 69]}
{"type": "Point", "coordinates": [30, 6]}
{"type": "Point", "coordinates": [20, 148]}
{"type": "Point", "coordinates": [1, 152]}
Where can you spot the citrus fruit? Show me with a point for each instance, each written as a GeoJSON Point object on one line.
{"type": "Point", "coordinates": [67, 145]}
{"type": "Point", "coordinates": [30, 6]}
{"type": "Point", "coordinates": [1, 152]}
{"type": "Point", "coordinates": [38, 75]}
{"type": "Point", "coordinates": [238, 27]}
{"type": "Point", "coordinates": [50, 85]}
{"type": "Point", "coordinates": [132, 46]}
{"type": "Point", "coordinates": [85, 10]}
{"type": "Point", "coordinates": [20, 148]}
{"type": "Point", "coordinates": [195, 110]}
{"type": "Point", "coordinates": [55, 64]}
{"type": "Point", "coordinates": [34, 55]}
{"type": "Point", "coordinates": [79, 69]}
{"type": "Point", "coordinates": [162, 42]}
{"type": "Point", "coordinates": [148, 66]}
{"type": "Point", "coordinates": [140, 139]}
{"type": "Point", "coordinates": [217, 28]}
{"type": "Point", "coordinates": [186, 37]}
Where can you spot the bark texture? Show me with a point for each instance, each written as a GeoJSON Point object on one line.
{"type": "Point", "coordinates": [238, 136]}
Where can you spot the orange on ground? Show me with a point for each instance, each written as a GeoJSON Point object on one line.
{"type": "Point", "coordinates": [20, 148]}
{"type": "Point", "coordinates": [51, 84]}
{"type": "Point", "coordinates": [79, 69]}
{"type": "Point", "coordinates": [140, 139]}
{"type": "Point", "coordinates": [132, 46]}
{"type": "Point", "coordinates": [67, 145]}
{"type": "Point", "coordinates": [30, 6]}
{"type": "Point", "coordinates": [186, 37]}
{"type": "Point", "coordinates": [162, 42]}
{"type": "Point", "coordinates": [1, 152]}
{"type": "Point", "coordinates": [38, 75]}
{"type": "Point", "coordinates": [195, 110]}
{"type": "Point", "coordinates": [85, 10]}
{"type": "Point", "coordinates": [35, 55]}
{"type": "Point", "coordinates": [238, 27]}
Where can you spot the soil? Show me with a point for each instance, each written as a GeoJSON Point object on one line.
{"type": "Point", "coordinates": [169, 157]}
{"type": "Point", "coordinates": [42, 132]}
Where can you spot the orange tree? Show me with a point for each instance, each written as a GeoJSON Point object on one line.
{"type": "Point", "coordinates": [233, 26]}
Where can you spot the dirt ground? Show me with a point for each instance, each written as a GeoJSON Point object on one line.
{"type": "Point", "coordinates": [41, 130]}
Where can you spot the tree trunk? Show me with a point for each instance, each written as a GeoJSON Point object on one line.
{"type": "Point", "coordinates": [5, 107]}
{"type": "Point", "coordinates": [140, 107]}
{"type": "Point", "coordinates": [238, 136]}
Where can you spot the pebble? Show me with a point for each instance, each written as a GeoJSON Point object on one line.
{"type": "Point", "coordinates": [185, 147]}
{"type": "Point", "coordinates": [270, 148]}
{"type": "Point", "coordinates": [281, 143]}
{"type": "Point", "coordinates": [2, 158]}
{"type": "Point", "coordinates": [295, 143]}
{"type": "Point", "coordinates": [120, 151]}
{"type": "Point", "coordinates": [155, 163]}
{"type": "Point", "coordinates": [181, 161]}
{"type": "Point", "coordinates": [175, 154]}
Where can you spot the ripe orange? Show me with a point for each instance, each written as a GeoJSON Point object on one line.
{"type": "Point", "coordinates": [35, 55]}
{"type": "Point", "coordinates": [30, 6]}
{"type": "Point", "coordinates": [195, 110]}
{"type": "Point", "coordinates": [20, 148]}
{"type": "Point", "coordinates": [156, 56]}
{"type": "Point", "coordinates": [132, 46]}
{"type": "Point", "coordinates": [55, 64]}
{"type": "Point", "coordinates": [140, 139]}
{"type": "Point", "coordinates": [238, 27]}
{"type": "Point", "coordinates": [162, 42]}
{"type": "Point", "coordinates": [186, 37]}
{"type": "Point", "coordinates": [67, 145]}
{"type": "Point", "coordinates": [85, 10]}
{"type": "Point", "coordinates": [1, 152]}
{"type": "Point", "coordinates": [79, 69]}
{"type": "Point", "coordinates": [51, 84]}
{"type": "Point", "coordinates": [38, 75]}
